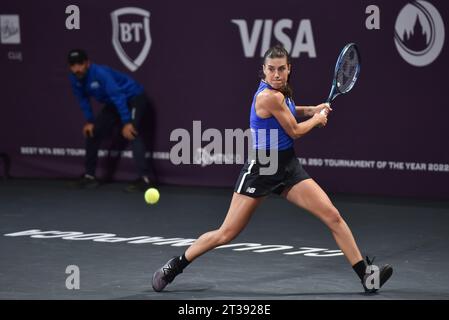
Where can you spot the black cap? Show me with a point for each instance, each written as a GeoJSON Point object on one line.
{"type": "Point", "coordinates": [77, 56]}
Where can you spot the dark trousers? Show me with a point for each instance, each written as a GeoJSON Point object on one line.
{"type": "Point", "coordinates": [104, 125]}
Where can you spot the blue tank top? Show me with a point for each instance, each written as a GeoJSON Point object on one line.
{"type": "Point", "coordinates": [260, 127]}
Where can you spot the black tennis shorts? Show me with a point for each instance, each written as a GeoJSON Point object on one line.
{"type": "Point", "coordinates": [254, 184]}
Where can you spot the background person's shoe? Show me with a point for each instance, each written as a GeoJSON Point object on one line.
{"type": "Point", "coordinates": [140, 185]}
{"type": "Point", "coordinates": [166, 274]}
{"type": "Point", "coordinates": [86, 182]}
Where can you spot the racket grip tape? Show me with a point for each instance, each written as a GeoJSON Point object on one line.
{"type": "Point", "coordinates": [324, 110]}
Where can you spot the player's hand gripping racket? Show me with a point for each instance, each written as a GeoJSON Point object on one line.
{"type": "Point", "coordinates": [347, 70]}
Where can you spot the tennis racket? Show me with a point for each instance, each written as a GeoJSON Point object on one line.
{"type": "Point", "coordinates": [347, 70]}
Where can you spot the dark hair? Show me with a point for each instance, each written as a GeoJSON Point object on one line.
{"type": "Point", "coordinates": [278, 51]}
{"type": "Point", "coordinates": [76, 56]}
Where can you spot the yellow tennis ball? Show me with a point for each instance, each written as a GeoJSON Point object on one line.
{"type": "Point", "coordinates": [152, 196]}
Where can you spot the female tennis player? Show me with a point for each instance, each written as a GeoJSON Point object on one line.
{"type": "Point", "coordinates": [274, 109]}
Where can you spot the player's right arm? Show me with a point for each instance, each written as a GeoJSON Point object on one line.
{"type": "Point", "coordinates": [270, 102]}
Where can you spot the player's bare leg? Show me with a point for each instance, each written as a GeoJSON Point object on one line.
{"type": "Point", "coordinates": [308, 194]}
{"type": "Point", "coordinates": [238, 216]}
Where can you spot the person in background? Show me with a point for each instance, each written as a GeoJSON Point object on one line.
{"type": "Point", "coordinates": [125, 104]}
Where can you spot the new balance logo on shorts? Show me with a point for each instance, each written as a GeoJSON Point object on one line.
{"type": "Point", "coordinates": [251, 190]}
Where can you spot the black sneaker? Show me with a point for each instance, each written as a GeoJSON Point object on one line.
{"type": "Point", "coordinates": [140, 185]}
{"type": "Point", "coordinates": [166, 274]}
{"type": "Point", "coordinates": [86, 182]}
{"type": "Point", "coordinates": [385, 273]}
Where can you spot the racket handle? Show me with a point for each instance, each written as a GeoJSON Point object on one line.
{"type": "Point", "coordinates": [324, 110]}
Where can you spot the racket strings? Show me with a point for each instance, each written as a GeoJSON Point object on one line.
{"type": "Point", "coordinates": [347, 70]}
